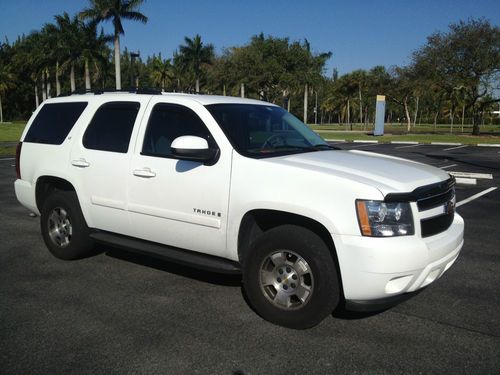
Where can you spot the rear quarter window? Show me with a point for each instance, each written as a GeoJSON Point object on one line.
{"type": "Point", "coordinates": [54, 122]}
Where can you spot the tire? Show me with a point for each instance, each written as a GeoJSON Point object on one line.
{"type": "Point", "coordinates": [290, 278]}
{"type": "Point", "coordinates": [63, 226]}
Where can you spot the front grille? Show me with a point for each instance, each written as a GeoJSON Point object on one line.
{"type": "Point", "coordinates": [428, 197]}
{"type": "Point", "coordinates": [436, 224]}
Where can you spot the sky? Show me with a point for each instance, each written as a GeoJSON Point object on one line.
{"type": "Point", "coordinates": [360, 33]}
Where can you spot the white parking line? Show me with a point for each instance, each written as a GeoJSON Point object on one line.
{"type": "Point", "coordinates": [8, 159]}
{"type": "Point", "coordinates": [486, 176]}
{"type": "Point", "coordinates": [409, 146]}
{"type": "Point", "coordinates": [453, 148]}
{"type": "Point", "coordinates": [466, 181]}
{"type": "Point", "coordinates": [448, 166]}
{"type": "Point", "coordinates": [334, 140]}
{"type": "Point", "coordinates": [475, 196]}
{"type": "Point", "coordinates": [364, 141]}
{"type": "Point", "coordinates": [445, 144]}
{"type": "Point", "coordinates": [404, 143]}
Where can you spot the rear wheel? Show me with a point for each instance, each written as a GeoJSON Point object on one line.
{"type": "Point", "coordinates": [63, 226]}
{"type": "Point", "coordinates": [290, 278]}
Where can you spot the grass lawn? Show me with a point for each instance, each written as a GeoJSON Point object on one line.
{"type": "Point", "coordinates": [11, 132]}
{"type": "Point", "coordinates": [419, 129]}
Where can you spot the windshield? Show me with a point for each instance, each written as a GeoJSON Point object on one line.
{"type": "Point", "coordinates": [263, 130]}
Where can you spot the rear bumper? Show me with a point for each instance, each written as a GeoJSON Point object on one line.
{"type": "Point", "coordinates": [25, 194]}
{"type": "Point", "coordinates": [382, 269]}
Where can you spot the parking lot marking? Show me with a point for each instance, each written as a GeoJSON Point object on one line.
{"type": "Point", "coordinates": [486, 176]}
{"type": "Point", "coordinates": [488, 144]}
{"type": "Point", "coordinates": [8, 159]}
{"type": "Point", "coordinates": [364, 141]}
{"type": "Point", "coordinates": [404, 143]}
{"type": "Point", "coordinates": [448, 166]}
{"type": "Point", "coordinates": [453, 148]}
{"type": "Point", "coordinates": [410, 146]}
{"type": "Point", "coordinates": [475, 196]}
{"type": "Point", "coordinates": [446, 144]}
{"type": "Point", "coordinates": [466, 181]}
{"type": "Point", "coordinates": [334, 140]}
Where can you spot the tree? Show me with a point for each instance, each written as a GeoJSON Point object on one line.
{"type": "Point", "coordinates": [6, 82]}
{"type": "Point", "coordinates": [161, 71]}
{"type": "Point", "coordinates": [193, 55]}
{"type": "Point", "coordinates": [467, 58]}
{"type": "Point", "coordinates": [116, 11]}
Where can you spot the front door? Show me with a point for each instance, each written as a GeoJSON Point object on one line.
{"type": "Point", "coordinates": [174, 202]}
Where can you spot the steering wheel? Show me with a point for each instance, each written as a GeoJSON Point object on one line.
{"type": "Point", "coordinates": [274, 140]}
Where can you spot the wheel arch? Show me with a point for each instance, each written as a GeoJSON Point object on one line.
{"type": "Point", "coordinates": [258, 221]}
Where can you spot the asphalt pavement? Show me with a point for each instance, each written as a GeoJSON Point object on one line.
{"type": "Point", "coordinates": [122, 313]}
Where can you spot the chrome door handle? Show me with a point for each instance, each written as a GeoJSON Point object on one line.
{"type": "Point", "coordinates": [146, 173]}
{"type": "Point", "coordinates": [80, 163]}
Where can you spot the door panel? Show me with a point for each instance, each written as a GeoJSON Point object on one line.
{"type": "Point", "coordinates": [178, 203]}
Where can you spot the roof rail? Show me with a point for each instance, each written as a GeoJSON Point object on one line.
{"type": "Point", "coordinates": [141, 90]}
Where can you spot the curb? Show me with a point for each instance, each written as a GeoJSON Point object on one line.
{"type": "Point", "coordinates": [414, 143]}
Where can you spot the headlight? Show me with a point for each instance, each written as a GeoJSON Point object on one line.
{"type": "Point", "coordinates": [380, 219]}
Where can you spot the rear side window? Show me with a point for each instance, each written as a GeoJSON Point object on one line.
{"type": "Point", "coordinates": [169, 121]}
{"type": "Point", "coordinates": [54, 122]}
{"type": "Point", "coordinates": [111, 127]}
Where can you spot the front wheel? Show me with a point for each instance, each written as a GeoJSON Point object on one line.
{"type": "Point", "coordinates": [290, 278]}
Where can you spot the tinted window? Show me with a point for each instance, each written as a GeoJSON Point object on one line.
{"type": "Point", "coordinates": [262, 131]}
{"type": "Point", "coordinates": [111, 127]}
{"type": "Point", "coordinates": [169, 121]}
{"type": "Point", "coordinates": [54, 122]}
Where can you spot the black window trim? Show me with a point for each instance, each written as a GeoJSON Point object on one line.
{"type": "Point", "coordinates": [92, 119]}
{"type": "Point", "coordinates": [150, 154]}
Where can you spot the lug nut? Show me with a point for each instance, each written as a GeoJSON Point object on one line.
{"type": "Point", "coordinates": [288, 269]}
{"type": "Point", "coordinates": [285, 287]}
{"type": "Point", "coordinates": [280, 271]}
{"type": "Point", "coordinates": [294, 277]}
{"type": "Point", "coordinates": [278, 279]}
{"type": "Point", "coordinates": [293, 285]}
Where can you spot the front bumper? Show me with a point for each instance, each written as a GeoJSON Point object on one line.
{"type": "Point", "coordinates": [381, 268]}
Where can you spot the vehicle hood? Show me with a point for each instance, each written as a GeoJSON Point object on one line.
{"type": "Point", "coordinates": [386, 173]}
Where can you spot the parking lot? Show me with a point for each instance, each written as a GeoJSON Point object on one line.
{"type": "Point", "coordinates": [122, 313]}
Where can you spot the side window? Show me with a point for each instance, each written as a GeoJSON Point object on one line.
{"type": "Point", "coordinates": [111, 127]}
{"type": "Point", "coordinates": [169, 121]}
{"type": "Point", "coordinates": [54, 122]}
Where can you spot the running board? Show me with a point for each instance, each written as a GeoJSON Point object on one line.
{"type": "Point", "coordinates": [172, 254]}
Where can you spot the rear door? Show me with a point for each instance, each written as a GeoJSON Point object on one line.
{"type": "Point", "coordinates": [100, 161]}
{"type": "Point", "coordinates": [175, 202]}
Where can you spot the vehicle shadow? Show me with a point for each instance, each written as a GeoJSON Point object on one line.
{"type": "Point", "coordinates": [177, 269]}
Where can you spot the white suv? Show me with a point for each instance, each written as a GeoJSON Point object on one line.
{"type": "Point", "coordinates": [236, 185]}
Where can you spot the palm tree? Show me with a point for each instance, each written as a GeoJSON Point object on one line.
{"type": "Point", "coordinates": [92, 49]}
{"type": "Point", "coordinates": [116, 11]}
{"type": "Point", "coordinates": [193, 55]}
{"type": "Point", "coordinates": [161, 71]}
{"type": "Point", "coordinates": [6, 82]}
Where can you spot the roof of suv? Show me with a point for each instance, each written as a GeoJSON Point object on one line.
{"type": "Point", "coordinates": [202, 99]}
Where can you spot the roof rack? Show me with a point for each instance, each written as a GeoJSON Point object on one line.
{"type": "Point", "coordinates": [142, 90]}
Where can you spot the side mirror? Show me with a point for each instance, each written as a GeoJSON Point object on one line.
{"type": "Point", "coordinates": [189, 147]}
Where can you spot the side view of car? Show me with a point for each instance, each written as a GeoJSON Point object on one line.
{"type": "Point", "coordinates": [237, 185]}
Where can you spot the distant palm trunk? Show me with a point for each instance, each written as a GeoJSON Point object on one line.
{"type": "Point", "coordinates": [58, 83]}
{"type": "Point", "coordinates": [306, 89]}
{"type": "Point", "coordinates": [72, 77]}
{"type": "Point", "coordinates": [289, 100]}
{"type": "Point", "coordinates": [417, 99]}
{"type": "Point", "coordinates": [349, 113]}
{"type": "Point", "coordinates": [407, 114]}
{"type": "Point", "coordinates": [224, 90]}
{"type": "Point", "coordinates": [242, 90]}
{"type": "Point", "coordinates": [463, 117]}
{"type": "Point", "coordinates": [118, 76]}
{"type": "Point", "coordinates": [360, 106]}
{"type": "Point", "coordinates": [1, 110]}
{"type": "Point", "coordinates": [44, 93]}
{"type": "Point", "coordinates": [197, 85]}
{"type": "Point", "coordinates": [87, 75]}
{"type": "Point", "coordinates": [49, 87]}
{"type": "Point", "coordinates": [37, 101]}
